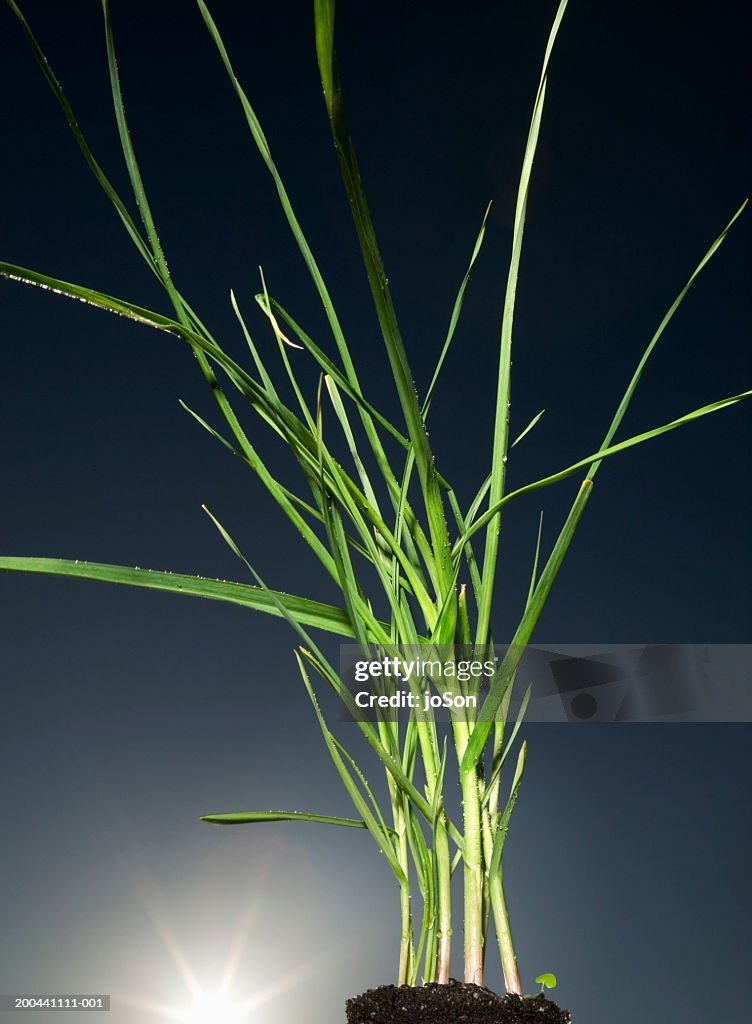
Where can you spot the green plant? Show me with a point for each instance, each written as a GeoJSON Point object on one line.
{"type": "Point", "coordinates": [379, 530]}
{"type": "Point", "coordinates": [546, 981]}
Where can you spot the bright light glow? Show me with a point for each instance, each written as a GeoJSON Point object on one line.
{"type": "Point", "coordinates": [213, 1009]}
{"type": "Point", "coordinates": [221, 1000]}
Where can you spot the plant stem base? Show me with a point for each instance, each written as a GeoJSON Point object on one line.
{"type": "Point", "coordinates": [448, 1004]}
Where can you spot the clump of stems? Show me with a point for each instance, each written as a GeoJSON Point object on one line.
{"type": "Point", "coordinates": [389, 530]}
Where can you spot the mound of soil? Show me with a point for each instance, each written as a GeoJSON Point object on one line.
{"type": "Point", "coordinates": [454, 1003]}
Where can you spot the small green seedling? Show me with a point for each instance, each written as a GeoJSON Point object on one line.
{"type": "Point", "coordinates": [546, 981]}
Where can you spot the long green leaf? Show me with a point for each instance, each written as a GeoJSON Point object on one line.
{"type": "Point", "coordinates": [258, 362]}
{"type": "Point", "coordinates": [492, 787]}
{"type": "Point", "coordinates": [366, 787]}
{"type": "Point", "coordinates": [314, 655]}
{"type": "Point", "coordinates": [99, 299]}
{"type": "Point", "coordinates": [453, 320]}
{"type": "Point", "coordinates": [126, 143]}
{"type": "Point", "coordinates": [596, 457]}
{"type": "Point", "coordinates": [310, 613]}
{"type": "Point", "coordinates": [121, 307]}
{"type": "Point", "coordinates": [380, 833]}
{"type": "Point", "coordinates": [336, 328]}
{"type": "Point", "coordinates": [503, 825]}
{"type": "Point", "coordinates": [396, 492]}
{"type": "Point", "coordinates": [627, 397]}
{"type": "Point", "coordinates": [331, 370]}
{"type": "Point", "coordinates": [300, 440]}
{"type": "Point", "coordinates": [78, 135]}
{"type": "Point", "coordinates": [503, 389]}
{"type": "Point", "coordinates": [403, 379]}
{"type": "Point", "coordinates": [511, 660]}
{"type": "Point", "coordinates": [252, 817]}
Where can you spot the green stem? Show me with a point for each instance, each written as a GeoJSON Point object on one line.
{"type": "Point", "coordinates": [473, 878]}
{"type": "Point", "coordinates": [488, 840]}
{"type": "Point", "coordinates": [407, 949]}
{"type": "Point", "coordinates": [472, 855]}
{"type": "Point", "coordinates": [428, 742]}
{"type": "Point", "coordinates": [498, 744]}
{"type": "Point", "coordinates": [444, 902]}
{"type": "Point", "coordinates": [498, 906]}
{"type": "Point", "coordinates": [504, 935]}
{"type": "Point", "coordinates": [429, 967]}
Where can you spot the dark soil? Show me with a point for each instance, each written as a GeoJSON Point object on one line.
{"type": "Point", "coordinates": [450, 1004]}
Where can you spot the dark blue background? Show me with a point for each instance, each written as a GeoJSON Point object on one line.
{"type": "Point", "coordinates": [126, 715]}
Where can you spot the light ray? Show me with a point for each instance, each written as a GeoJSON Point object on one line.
{"type": "Point", "coordinates": [201, 1002]}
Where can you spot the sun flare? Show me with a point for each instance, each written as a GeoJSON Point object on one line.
{"type": "Point", "coordinates": [213, 1009]}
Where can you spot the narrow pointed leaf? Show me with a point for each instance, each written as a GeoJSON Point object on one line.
{"type": "Point", "coordinates": [455, 315]}
{"type": "Point", "coordinates": [503, 826]}
{"type": "Point", "coordinates": [630, 442]}
{"type": "Point", "coordinates": [527, 429]}
{"type": "Point", "coordinates": [311, 613]}
{"type": "Point", "coordinates": [252, 817]}
{"type": "Point", "coordinates": [503, 386]}
{"type": "Point", "coordinates": [324, 22]}
{"type": "Point", "coordinates": [78, 135]}
{"type": "Point", "coordinates": [509, 664]}
{"type": "Point", "coordinates": [627, 397]}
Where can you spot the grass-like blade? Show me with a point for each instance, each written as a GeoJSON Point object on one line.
{"type": "Point", "coordinates": [112, 195]}
{"type": "Point", "coordinates": [456, 310]}
{"type": "Point", "coordinates": [503, 678]}
{"type": "Point", "coordinates": [502, 827]}
{"type": "Point", "coordinates": [503, 387]}
{"type": "Point", "coordinates": [316, 658]}
{"type": "Point", "coordinates": [380, 833]}
{"type": "Point", "coordinates": [527, 429]}
{"type": "Point", "coordinates": [94, 298]}
{"type": "Point", "coordinates": [627, 397]}
{"type": "Point", "coordinates": [258, 362]}
{"type": "Point", "coordinates": [252, 817]}
{"type": "Point", "coordinates": [311, 613]}
{"type": "Point", "coordinates": [403, 379]}
{"type": "Point", "coordinates": [596, 457]}
{"type": "Point", "coordinates": [488, 796]}
{"type": "Point", "coordinates": [305, 250]}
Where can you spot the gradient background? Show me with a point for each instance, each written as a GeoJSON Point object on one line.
{"type": "Point", "coordinates": [126, 715]}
